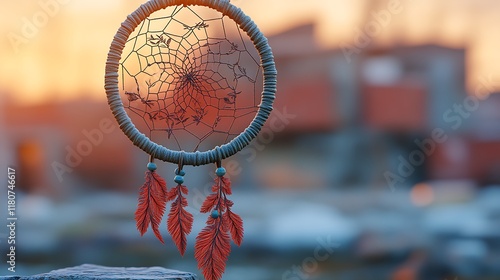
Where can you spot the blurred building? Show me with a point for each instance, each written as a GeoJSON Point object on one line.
{"type": "Point", "coordinates": [378, 110]}
{"type": "Point", "coordinates": [58, 148]}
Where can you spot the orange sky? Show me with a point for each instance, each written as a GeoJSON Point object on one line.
{"type": "Point", "coordinates": [65, 57]}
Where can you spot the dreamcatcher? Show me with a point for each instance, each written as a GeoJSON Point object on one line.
{"type": "Point", "coordinates": [190, 82]}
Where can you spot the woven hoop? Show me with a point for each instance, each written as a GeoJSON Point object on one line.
{"type": "Point", "coordinates": [190, 158]}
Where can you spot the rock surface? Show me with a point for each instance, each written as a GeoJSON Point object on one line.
{"type": "Point", "coordinates": [96, 272]}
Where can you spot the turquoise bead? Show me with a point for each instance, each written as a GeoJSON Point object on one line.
{"type": "Point", "coordinates": [214, 214]}
{"type": "Point", "coordinates": [152, 166]}
{"type": "Point", "coordinates": [179, 179]}
{"type": "Point", "coordinates": [179, 172]}
{"type": "Point", "coordinates": [221, 171]}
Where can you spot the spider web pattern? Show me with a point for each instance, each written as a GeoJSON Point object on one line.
{"type": "Point", "coordinates": [191, 79]}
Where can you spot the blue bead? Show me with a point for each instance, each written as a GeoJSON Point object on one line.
{"type": "Point", "coordinates": [221, 171]}
{"type": "Point", "coordinates": [181, 172]}
{"type": "Point", "coordinates": [151, 166]}
{"type": "Point", "coordinates": [179, 179]}
{"type": "Point", "coordinates": [214, 214]}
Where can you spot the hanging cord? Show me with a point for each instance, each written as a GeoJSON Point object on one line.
{"type": "Point", "coordinates": [180, 164]}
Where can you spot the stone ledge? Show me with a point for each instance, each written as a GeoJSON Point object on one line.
{"type": "Point", "coordinates": [97, 272]}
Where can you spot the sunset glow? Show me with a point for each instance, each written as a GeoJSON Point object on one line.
{"type": "Point", "coordinates": [64, 56]}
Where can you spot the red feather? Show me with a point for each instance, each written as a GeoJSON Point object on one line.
{"type": "Point", "coordinates": [180, 221]}
{"type": "Point", "coordinates": [213, 243]}
{"type": "Point", "coordinates": [152, 202]}
{"type": "Point", "coordinates": [235, 226]}
{"type": "Point", "coordinates": [212, 249]}
{"type": "Point", "coordinates": [226, 185]}
{"type": "Point", "coordinates": [209, 203]}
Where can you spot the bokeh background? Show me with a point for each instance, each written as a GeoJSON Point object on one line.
{"type": "Point", "coordinates": [380, 161]}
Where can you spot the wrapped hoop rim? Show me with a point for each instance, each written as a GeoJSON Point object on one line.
{"type": "Point", "coordinates": [219, 152]}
